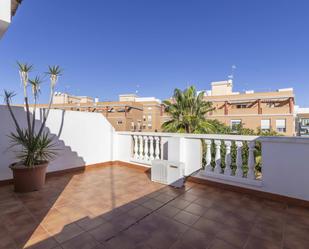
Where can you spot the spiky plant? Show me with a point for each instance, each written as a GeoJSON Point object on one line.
{"type": "Point", "coordinates": [34, 147]}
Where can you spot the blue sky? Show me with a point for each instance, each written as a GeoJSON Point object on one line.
{"type": "Point", "coordinates": [109, 47]}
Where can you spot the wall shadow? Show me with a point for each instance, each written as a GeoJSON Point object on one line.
{"type": "Point", "coordinates": [22, 214]}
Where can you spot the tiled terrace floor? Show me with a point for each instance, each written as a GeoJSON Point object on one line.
{"type": "Point", "coordinates": [119, 207]}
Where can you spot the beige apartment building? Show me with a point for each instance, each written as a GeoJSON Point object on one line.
{"type": "Point", "coordinates": [64, 98]}
{"type": "Point", "coordinates": [254, 110]}
{"type": "Point", "coordinates": [129, 113]}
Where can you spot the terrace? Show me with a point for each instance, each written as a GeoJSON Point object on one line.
{"type": "Point", "coordinates": [99, 194]}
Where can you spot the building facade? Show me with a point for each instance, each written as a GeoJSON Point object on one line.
{"type": "Point", "coordinates": [254, 110]}
{"type": "Point", "coordinates": [129, 113]}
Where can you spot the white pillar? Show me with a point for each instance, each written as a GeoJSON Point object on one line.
{"type": "Point", "coordinates": [157, 151]}
{"type": "Point", "coordinates": [208, 167]}
{"type": "Point", "coordinates": [141, 149]}
{"type": "Point", "coordinates": [228, 170]}
{"type": "Point", "coordinates": [218, 157]}
{"type": "Point", "coordinates": [151, 149]}
{"type": "Point", "coordinates": [239, 172]}
{"type": "Point", "coordinates": [135, 148]}
{"type": "Point", "coordinates": [251, 161]}
{"type": "Point", "coordinates": [146, 148]}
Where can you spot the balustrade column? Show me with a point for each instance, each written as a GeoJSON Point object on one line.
{"type": "Point", "coordinates": [251, 161]}
{"type": "Point", "coordinates": [146, 157]}
{"type": "Point", "coordinates": [239, 171]}
{"type": "Point", "coordinates": [151, 148]}
{"type": "Point", "coordinates": [228, 170]}
{"type": "Point", "coordinates": [208, 167]}
{"type": "Point", "coordinates": [157, 151]}
{"type": "Point", "coordinates": [218, 157]}
{"type": "Point", "coordinates": [141, 149]}
{"type": "Point", "coordinates": [135, 147]}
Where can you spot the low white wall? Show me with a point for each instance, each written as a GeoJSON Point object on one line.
{"type": "Point", "coordinates": [286, 166]}
{"type": "Point", "coordinates": [83, 138]}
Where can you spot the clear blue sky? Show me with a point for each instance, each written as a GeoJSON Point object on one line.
{"type": "Point", "coordinates": [108, 47]}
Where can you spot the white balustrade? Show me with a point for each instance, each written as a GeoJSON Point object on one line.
{"type": "Point", "coordinates": [251, 161]}
{"type": "Point", "coordinates": [157, 151]}
{"type": "Point", "coordinates": [239, 171]}
{"type": "Point", "coordinates": [141, 148]}
{"type": "Point", "coordinates": [228, 170]}
{"type": "Point", "coordinates": [146, 148]}
{"type": "Point", "coordinates": [151, 149]}
{"type": "Point", "coordinates": [146, 156]}
{"type": "Point", "coordinates": [208, 156]}
{"type": "Point", "coordinates": [136, 156]}
{"type": "Point", "coordinates": [217, 168]}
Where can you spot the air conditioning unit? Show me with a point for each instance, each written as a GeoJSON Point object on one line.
{"type": "Point", "coordinates": [167, 172]}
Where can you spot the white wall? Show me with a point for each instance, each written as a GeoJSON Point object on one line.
{"type": "Point", "coordinates": [5, 15]}
{"type": "Point", "coordinates": [286, 166]}
{"type": "Point", "coordinates": [83, 138]}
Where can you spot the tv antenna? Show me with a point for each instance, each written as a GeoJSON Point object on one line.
{"type": "Point", "coordinates": [231, 76]}
{"type": "Point", "coordinates": [137, 87]}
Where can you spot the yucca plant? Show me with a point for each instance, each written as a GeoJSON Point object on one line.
{"type": "Point", "coordinates": [34, 145]}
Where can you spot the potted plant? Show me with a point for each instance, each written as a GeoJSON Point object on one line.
{"type": "Point", "coordinates": [35, 146]}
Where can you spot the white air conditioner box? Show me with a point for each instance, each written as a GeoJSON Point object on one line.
{"type": "Point", "coordinates": [168, 172]}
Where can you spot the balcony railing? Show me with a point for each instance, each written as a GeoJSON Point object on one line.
{"type": "Point", "coordinates": [228, 157]}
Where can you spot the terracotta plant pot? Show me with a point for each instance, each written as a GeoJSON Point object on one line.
{"type": "Point", "coordinates": [27, 179]}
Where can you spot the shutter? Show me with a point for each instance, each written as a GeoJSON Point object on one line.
{"type": "Point", "coordinates": [265, 124]}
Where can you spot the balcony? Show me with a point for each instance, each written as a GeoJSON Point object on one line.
{"type": "Point", "coordinates": [99, 193]}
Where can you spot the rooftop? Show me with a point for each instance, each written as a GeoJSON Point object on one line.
{"type": "Point", "coordinates": [99, 192]}
{"type": "Point", "coordinates": [119, 207]}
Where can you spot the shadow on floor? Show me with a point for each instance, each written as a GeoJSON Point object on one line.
{"type": "Point", "coordinates": [116, 207]}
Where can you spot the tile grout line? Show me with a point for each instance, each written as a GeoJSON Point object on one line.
{"type": "Point", "coordinates": [140, 219]}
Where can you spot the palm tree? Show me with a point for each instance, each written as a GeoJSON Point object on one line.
{"type": "Point", "coordinates": [187, 111]}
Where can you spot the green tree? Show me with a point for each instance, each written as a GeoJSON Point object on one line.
{"type": "Point", "coordinates": [187, 111]}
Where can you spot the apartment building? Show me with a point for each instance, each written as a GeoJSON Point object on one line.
{"type": "Point", "coordinates": [253, 110]}
{"type": "Point", "coordinates": [302, 121]}
{"type": "Point", "coordinates": [65, 98]}
{"type": "Point", "coordinates": [129, 113]}
{"type": "Point", "coordinates": [265, 110]}
{"type": "Point", "coordinates": [152, 110]}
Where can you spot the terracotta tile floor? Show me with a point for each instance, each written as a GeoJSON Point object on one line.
{"type": "Point", "coordinates": [120, 208]}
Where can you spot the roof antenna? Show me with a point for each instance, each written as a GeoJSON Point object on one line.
{"type": "Point", "coordinates": [231, 76]}
{"type": "Point", "coordinates": [136, 91]}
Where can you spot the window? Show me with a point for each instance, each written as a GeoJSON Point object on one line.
{"type": "Point", "coordinates": [305, 121]}
{"type": "Point", "coordinates": [242, 106]}
{"type": "Point", "coordinates": [144, 117]}
{"type": "Point", "coordinates": [235, 123]}
{"type": "Point", "coordinates": [280, 125]}
{"type": "Point", "coordinates": [265, 124]}
{"type": "Point", "coordinates": [149, 117]}
{"type": "Point", "coordinates": [149, 126]}
{"type": "Point", "coordinates": [149, 108]}
{"type": "Point", "coordinates": [272, 105]}
{"type": "Point", "coordinates": [119, 122]}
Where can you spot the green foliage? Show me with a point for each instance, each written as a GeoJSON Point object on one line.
{"type": "Point", "coordinates": [33, 146]}
{"type": "Point", "coordinates": [187, 112]}
{"type": "Point", "coordinates": [34, 149]}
